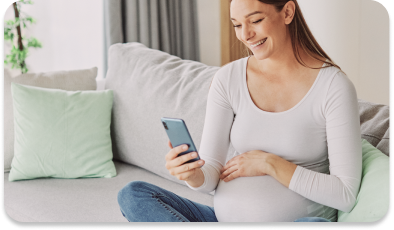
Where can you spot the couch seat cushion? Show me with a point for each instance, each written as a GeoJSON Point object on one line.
{"type": "Point", "coordinates": [81, 200]}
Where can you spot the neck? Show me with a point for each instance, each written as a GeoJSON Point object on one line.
{"type": "Point", "coordinates": [283, 64]}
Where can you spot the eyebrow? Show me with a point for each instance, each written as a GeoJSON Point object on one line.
{"type": "Point", "coordinates": [248, 15]}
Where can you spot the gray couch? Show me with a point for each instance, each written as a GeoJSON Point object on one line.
{"type": "Point", "coordinates": [148, 84]}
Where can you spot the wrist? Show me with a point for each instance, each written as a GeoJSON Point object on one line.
{"type": "Point", "coordinates": [197, 179]}
{"type": "Point", "coordinates": [270, 164]}
{"type": "Point", "coordinates": [280, 169]}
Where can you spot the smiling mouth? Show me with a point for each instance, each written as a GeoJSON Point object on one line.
{"type": "Point", "coordinates": [259, 43]}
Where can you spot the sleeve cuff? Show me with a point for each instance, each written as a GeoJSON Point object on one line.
{"type": "Point", "coordinates": [294, 178]}
{"type": "Point", "coordinates": [203, 185]}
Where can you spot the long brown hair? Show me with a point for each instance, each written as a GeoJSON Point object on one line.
{"type": "Point", "coordinates": [301, 36]}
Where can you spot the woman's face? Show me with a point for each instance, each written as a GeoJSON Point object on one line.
{"type": "Point", "coordinates": [260, 27]}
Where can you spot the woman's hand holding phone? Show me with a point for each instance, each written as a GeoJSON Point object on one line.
{"type": "Point", "coordinates": [190, 172]}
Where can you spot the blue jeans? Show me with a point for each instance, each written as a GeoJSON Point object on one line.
{"type": "Point", "coordinates": [143, 202]}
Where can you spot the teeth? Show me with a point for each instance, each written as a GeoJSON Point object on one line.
{"type": "Point", "coordinates": [259, 43]}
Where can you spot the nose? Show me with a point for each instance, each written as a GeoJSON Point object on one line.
{"type": "Point", "coordinates": [247, 33]}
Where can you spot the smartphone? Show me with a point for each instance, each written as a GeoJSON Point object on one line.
{"type": "Point", "coordinates": [178, 134]}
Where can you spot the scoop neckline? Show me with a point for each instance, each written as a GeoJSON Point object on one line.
{"type": "Point", "coordinates": [275, 113]}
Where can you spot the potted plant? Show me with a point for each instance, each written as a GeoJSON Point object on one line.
{"type": "Point", "coordinates": [20, 44]}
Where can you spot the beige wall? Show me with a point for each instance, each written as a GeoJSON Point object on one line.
{"type": "Point", "coordinates": [374, 53]}
{"type": "Point", "coordinates": [70, 39]}
{"type": "Point", "coordinates": [209, 31]}
{"type": "Point", "coordinates": [354, 33]}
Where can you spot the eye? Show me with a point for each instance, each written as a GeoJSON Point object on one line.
{"type": "Point", "coordinates": [238, 26]}
{"type": "Point", "coordinates": [258, 21]}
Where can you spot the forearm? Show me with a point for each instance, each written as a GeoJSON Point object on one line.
{"type": "Point", "coordinates": [197, 180]}
{"type": "Point", "coordinates": [280, 169]}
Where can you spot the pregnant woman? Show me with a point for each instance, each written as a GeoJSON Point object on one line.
{"type": "Point", "coordinates": [291, 116]}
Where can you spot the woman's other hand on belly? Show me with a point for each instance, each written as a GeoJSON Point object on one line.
{"type": "Point", "coordinates": [248, 164]}
{"type": "Point", "coordinates": [258, 163]}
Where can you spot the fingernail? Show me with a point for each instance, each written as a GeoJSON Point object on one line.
{"type": "Point", "coordinates": [200, 162]}
{"type": "Point", "coordinates": [194, 154]}
{"type": "Point", "coordinates": [185, 147]}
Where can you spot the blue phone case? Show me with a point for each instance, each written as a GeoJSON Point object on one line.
{"type": "Point", "coordinates": [178, 134]}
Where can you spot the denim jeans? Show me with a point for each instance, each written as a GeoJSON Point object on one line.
{"type": "Point", "coordinates": [143, 202]}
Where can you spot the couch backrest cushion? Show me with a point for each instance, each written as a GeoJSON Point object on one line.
{"type": "Point", "coordinates": [67, 80]}
{"type": "Point", "coordinates": [149, 84]}
{"type": "Point", "coordinates": [375, 123]}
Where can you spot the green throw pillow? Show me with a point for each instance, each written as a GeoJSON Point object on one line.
{"type": "Point", "coordinates": [61, 134]}
{"type": "Point", "coordinates": [373, 198]}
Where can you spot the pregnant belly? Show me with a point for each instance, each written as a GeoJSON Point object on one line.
{"type": "Point", "coordinates": [260, 199]}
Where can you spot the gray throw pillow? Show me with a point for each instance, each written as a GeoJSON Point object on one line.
{"type": "Point", "coordinates": [375, 123]}
{"type": "Point", "coordinates": [67, 80]}
{"type": "Point", "coordinates": [149, 84]}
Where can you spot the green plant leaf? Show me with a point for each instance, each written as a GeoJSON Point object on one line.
{"type": "Point", "coordinates": [16, 58]}
{"type": "Point", "coordinates": [8, 37]}
{"type": "Point", "coordinates": [24, 69]}
{"type": "Point", "coordinates": [8, 34]}
{"type": "Point", "coordinates": [27, 2]}
{"type": "Point", "coordinates": [10, 22]}
{"type": "Point", "coordinates": [29, 19]}
{"type": "Point", "coordinates": [33, 42]}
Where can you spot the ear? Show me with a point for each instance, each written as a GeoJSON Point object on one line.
{"type": "Point", "coordinates": [289, 12]}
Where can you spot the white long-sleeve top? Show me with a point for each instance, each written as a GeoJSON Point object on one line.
{"type": "Point", "coordinates": [321, 134]}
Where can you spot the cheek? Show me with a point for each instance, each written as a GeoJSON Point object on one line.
{"type": "Point", "coordinates": [238, 34]}
{"type": "Point", "coordinates": [275, 30]}
{"type": "Point", "coordinates": [268, 31]}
